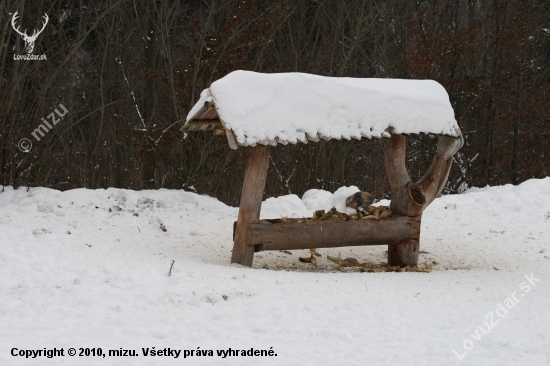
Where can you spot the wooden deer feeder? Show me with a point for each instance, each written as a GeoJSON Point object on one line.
{"type": "Point", "coordinates": [256, 110]}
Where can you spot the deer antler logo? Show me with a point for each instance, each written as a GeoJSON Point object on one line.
{"type": "Point", "coordinates": [29, 40]}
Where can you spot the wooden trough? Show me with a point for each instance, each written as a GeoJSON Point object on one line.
{"type": "Point", "coordinates": [401, 231]}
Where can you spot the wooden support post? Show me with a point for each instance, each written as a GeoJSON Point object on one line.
{"type": "Point", "coordinates": [407, 199]}
{"type": "Point", "coordinates": [405, 253]}
{"type": "Point", "coordinates": [411, 199]}
{"type": "Point", "coordinates": [251, 203]}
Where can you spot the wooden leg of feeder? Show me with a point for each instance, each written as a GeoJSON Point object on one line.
{"type": "Point", "coordinates": [251, 203]}
{"type": "Point", "coordinates": [407, 199]}
{"type": "Point", "coordinates": [404, 254]}
{"type": "Point", "coordinates": [411, 199]}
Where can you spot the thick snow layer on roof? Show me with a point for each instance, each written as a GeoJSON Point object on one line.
{"type": "Point", "coordinates": [292, 107]}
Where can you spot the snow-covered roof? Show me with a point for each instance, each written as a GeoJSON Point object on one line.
{"type": "Point", "coordinates": [267, 109]}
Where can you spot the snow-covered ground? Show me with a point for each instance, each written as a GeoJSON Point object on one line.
{"type": "Point", "coordinates": [89, 268]}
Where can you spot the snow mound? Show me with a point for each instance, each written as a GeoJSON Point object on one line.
{"type": "Point", "coordinates": [318, 199]}
{"type": "Point", "coordinates": [284, 206]}
{"type": "Point", "coordinates": [313, 200]}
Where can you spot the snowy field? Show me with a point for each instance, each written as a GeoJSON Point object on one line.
{"type": "Point", "coordinates": [89, 269]}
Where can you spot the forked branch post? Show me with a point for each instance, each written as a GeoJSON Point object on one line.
{"type": "Point", "coordinates": [411, 199]}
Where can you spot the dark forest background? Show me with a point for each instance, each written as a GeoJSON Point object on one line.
{"type": "Point", "coordinates": [129, 71]}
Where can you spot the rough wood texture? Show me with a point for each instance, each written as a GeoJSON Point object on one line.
{"type": "Point", "coordinates": [251, 203]}
{"type": "Point", "coordinates": [407, 198]}
{"type": "Point", "coordinates": [435, 178]}
{"type": "Point", "coordinates": [448, 146]}
{"type": "Point", "coordinates": [332, 234]}
{"type": "Point", "coordinates": [203, 125]}
{"type": "Point", "coordinates": [411, 199]}
{"type": "Point", "coordinates": [231, 140]}
{"type": "Point", "coordinates": [404, 254]}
